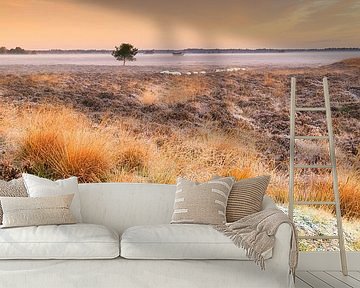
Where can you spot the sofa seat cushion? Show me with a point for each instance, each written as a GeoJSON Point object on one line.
{"type": "Point", "coordinates": [74, 241]}
{"type": "Point", "coordinates": [180, 241]}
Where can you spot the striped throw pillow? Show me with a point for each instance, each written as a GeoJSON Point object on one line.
{"type": "Point", "coordinates": [203, 203]}
{"type": "Point", "coordinates": [246, 197]}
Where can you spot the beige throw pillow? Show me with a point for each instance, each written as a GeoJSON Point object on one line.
{"type": "Point", "coordinates": [13, 188]}
{"type": "Point", "coordinates": [246, 197]}
{"type": "Point", "coordinates": [203, 203]}
{"type": "Point", "coordinates": [27, 211]}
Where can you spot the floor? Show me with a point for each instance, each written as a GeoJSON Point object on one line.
{"type": "Point", "coordinates": [327, 279]}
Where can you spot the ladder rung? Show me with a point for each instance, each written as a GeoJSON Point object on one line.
{"type": "Point", "coordinates": [310, 109]}
{"type": "Point", "coordinates": [314, 203]}
{"type": "Point", "coordinates": [312, 166]}
{"type": "Point", "coordinates": [319, 237]}
{"type": "Point", "coordinates": [311, 137]}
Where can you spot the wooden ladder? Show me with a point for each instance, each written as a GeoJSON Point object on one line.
{"type": "Point", "coordinates": [332, 166]}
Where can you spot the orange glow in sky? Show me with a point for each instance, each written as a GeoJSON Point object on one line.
{"type": "Point", "coordinates": [90, 24]}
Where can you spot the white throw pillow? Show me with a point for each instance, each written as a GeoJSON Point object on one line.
{"type": "Point", "coordinates": [41, 187]}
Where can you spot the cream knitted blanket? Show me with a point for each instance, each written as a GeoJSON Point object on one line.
{"type": "Point", "coordinates": [256, 234]}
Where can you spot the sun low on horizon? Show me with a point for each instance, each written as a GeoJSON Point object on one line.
{"type": "Point", "coordinates": [160, 24]}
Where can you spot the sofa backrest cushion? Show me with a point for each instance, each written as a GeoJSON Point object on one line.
{"type": "Point", "coordinates": [123, 205]}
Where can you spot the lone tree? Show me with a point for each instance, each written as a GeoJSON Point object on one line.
{"type": "Point", "coordinates": [125, 52]}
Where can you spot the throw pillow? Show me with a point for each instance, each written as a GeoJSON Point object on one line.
{"type": "Point", "coordinates": [203, 203]}
{"type": "Point", "coordinates": [246, 197]}
{"type": "Point", "coordinates": [13, 188]}
{"type": "Point", "coordinates": [42, 187]}
{"type": "Point", "coordinates": [27, 211]}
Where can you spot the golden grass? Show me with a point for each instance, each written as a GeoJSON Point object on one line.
{"type": "Point", "coordinates": [276, 87]}
{"type": "Point", "coordinates": [45, 78]}
{"type": "Point", "coordinates": [151, 93]}
{"type": "Point", "coordinates": [202, 156]}
{"type": "Point", "coordinates": [149, 97]}
{"type": "Point", "coordinates": [319, 188]}
{"type": "Point", "coordinates": [185, 88]}
{"type": "Point", "coordinates": [133, 155]}
{"type": "Point", "coordinates": [269, 80]}
{"type": "Point", "coordinates": [176, 89]}
{"type": "Point", "coordinates": [58, 142]}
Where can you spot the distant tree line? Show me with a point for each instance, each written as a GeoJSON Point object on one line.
{"type": "Point", "coordinates": [74, 51]}
{"type": "Point", "coordinates": [16, 50]}
{"type": "Point", "coordinates": [239, 50]}
{"type": "Point", "coordinates": [19, 50]}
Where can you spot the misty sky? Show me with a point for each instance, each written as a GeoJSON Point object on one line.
{"type": "Point", "coordinates": [85, 24]}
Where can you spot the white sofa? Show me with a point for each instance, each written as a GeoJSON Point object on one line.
{"type": "Point", "coordinates": [119, 206]}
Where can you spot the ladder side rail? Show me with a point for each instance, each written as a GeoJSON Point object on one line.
{"type": "Point", "coordinates": [335, 177]}
{"type": "Point", "coordinates": [292, 147]}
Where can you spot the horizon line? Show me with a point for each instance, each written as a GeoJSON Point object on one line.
{"type": "Point", "coordinates": [202, 48]}
{"type": "Point", "coordinates": [188, 48]}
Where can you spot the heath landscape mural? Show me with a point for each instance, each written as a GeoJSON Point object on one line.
{"type": "Point", "coordinates": [68, 107]}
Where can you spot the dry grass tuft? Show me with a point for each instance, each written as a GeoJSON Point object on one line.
{"type": "Point", "coordinates": [176, 89]}
{"type": "Point", "coordinates": [57, 142]}
{"type": "Point", "coordinates": [133, 157]}
{"type": "Point", "coordinates": [239, 174]}
{"type": "Point", "coordinates": [319, 188]}
{"type": "Point", "coordinates": [350, 194]}
{"type": "Point", "coordinates": [150, 95]}
{"type": "Point", "coordinates": [269, 80]}
{"type": "Point", "coordinates": [45, 78]}
{"type": "Point", "coordinates": [276, 87]}
{"type": "Point", "coordinates": [122, 175]}
{"type": "Point", "coordinates": [181, 89]}
{"type": "Point", "coordinates": [349, 190]}
{"type": "Point", "coordinates": [162, 169]}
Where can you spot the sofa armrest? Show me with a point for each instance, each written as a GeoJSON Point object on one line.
{"type": "Point", "coordinates": [281, 248]}
{"type": "Point", "coordinates": [279, 263]}
{"type": "Point", "coordinates": [282, 238]}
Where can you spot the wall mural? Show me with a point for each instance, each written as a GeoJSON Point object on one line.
{"type": "Point", "coordinates": [69, 107]}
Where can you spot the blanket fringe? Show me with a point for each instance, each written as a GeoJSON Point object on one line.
{"type": "Point", "coordinates": [239, 242]}
{"type": "Point", "coordinates": [256, 234]}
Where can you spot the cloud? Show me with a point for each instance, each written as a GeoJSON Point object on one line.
{"type": "Point", "coordinates": [274, 22]}
{"type": "Point", "coordinates": [181, 23]}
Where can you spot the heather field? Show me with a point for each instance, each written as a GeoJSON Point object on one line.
{"type": "Point", "coordinates": [135, 124]}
